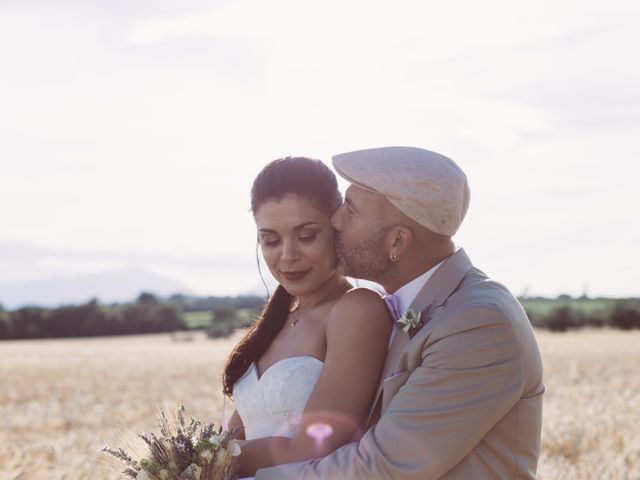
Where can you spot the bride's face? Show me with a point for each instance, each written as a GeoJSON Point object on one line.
{"type": "Point", "coordinates": [296, 240]}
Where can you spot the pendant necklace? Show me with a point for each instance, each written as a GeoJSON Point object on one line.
{"type": "Point", "coordinates": [295, 304]}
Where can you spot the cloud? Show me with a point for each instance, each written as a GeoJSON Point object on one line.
{"type": "Point", "coordinates": [139, 128]}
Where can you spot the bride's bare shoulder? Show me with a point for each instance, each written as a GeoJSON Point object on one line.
{"type": "Point", "coordinates": [361, 305]}
{"type": "Point", "coordinates": [363, 296]}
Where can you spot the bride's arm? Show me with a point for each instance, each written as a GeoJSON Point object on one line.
{"type": "Point", "coordinates": [235, 422]}
{"type": "Point", "coordinates": [357, 338]}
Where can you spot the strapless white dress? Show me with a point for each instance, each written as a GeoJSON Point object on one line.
{"type": "Point", "coordinates": [272, 405]}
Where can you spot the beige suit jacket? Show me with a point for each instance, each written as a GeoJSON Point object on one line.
{"type": "Point", "coordinates": [460, 400]}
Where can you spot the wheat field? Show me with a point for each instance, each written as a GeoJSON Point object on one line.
{"type": "Point", "coordinates": [61, 399]}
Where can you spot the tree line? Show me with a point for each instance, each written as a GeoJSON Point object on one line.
{"type": "Point", "coordinates": [146, 315]}
{"type": "Point", "coordinates": [149, 314]}
{"type": "Point", "coordinates": [190, 303]}
{"type": "Point", "coordinates": [622, 314]}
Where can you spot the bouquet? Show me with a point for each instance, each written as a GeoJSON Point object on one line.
{"type": "Point", "coordinates": [182, 451]}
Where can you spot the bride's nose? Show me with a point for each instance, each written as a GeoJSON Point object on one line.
{"type": "Point", "coordinates": [290, 251]}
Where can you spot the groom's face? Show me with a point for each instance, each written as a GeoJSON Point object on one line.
{"type": "Point", "coordinates": [361, 234]}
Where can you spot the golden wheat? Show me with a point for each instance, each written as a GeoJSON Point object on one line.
{"type": "Point", "coordinates": [61, 399]}
{"type": "Point", "coordinates": [591, 427]}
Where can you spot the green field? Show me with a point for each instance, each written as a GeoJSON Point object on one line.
{"type": "Point", "coordinates": [202, 319]}
{"type": "Point", "coordinates": [197, 320]}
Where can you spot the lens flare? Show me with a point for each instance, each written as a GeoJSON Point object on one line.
{"type": "Point", "coordinates": [319, 432]}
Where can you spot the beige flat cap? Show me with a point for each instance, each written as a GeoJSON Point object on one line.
{"type": "Point", "coordinates": [426, 186]}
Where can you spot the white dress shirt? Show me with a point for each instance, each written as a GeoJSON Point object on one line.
{"type": "Point", "coordinates": [408, 292]}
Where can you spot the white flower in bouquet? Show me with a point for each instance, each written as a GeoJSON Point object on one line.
{"type": "Point", "coordinates": [206, 456]}
{"type": "Point", "coordinates": [234, 448]}
{"type": "Point", "coordinates": [143, 475]}
{"type": "Point", "coordinates": [216, 439]}
{"type": "Point", "coordinates": [221, 455]}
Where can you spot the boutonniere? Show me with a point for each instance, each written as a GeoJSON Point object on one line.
{"type": "Point", "coordinates": [410, 321]}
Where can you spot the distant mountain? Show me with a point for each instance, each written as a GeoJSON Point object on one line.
{"type": "Point", "coordinates": [120, 285]}
{"type": "Point", "coordinates": [24, 266]}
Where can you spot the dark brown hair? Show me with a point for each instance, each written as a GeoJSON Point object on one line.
{"type": "Point", "coordinates": [301, 176]}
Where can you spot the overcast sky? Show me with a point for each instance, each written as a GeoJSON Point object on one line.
{"type": "Point", "coordinates": [130, 131]}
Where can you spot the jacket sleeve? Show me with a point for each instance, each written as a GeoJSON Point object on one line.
{"type": "Point", "coordinates": [469, 378]}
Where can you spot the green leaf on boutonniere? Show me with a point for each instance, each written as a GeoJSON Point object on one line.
{"type": "Point", "coordinates": [410, 321]}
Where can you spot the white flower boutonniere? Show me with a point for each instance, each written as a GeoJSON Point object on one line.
{"type": "Point", "coordinates": [410, 321]}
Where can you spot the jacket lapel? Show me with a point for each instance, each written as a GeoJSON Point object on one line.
{"type": "Point", "coordinates": [398, 344]}
{"type": "Point", "coordinates": [443, 283]}
{"type": "Point", "coordinates": [433, 294]}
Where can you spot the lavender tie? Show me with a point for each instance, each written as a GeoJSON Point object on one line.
{"type": "Point", "coordinates": [393, 304]}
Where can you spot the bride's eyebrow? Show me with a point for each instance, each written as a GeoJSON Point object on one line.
{"type": "Point", "coordinates": [297, 227]}
{"type": "Point", "coordinates": [305, 224]}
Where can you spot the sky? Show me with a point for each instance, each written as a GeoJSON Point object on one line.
{"type": "Point", "coordinates": [131, 131]}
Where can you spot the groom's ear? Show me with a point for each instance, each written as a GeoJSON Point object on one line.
{"type": "Point", "coordinates": [401, 238]}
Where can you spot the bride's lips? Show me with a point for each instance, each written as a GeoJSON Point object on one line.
{"type": "Point", "coordinates": [295, 276]}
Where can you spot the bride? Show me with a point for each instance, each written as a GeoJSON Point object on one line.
{"type": "Point", "coordinates": [304, 376]}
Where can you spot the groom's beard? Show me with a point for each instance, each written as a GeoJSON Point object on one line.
{"type": "Point", "coordinates": [368, 260]}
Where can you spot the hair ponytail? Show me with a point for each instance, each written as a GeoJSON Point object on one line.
{"type": "Point", "coordinates": [257, 339]}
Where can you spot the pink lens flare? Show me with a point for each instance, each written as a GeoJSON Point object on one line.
{"type": "Point", "coordinates": [319, 431]}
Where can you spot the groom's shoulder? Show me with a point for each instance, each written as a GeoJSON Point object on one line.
{"type": "Point", "coordinates": [483, 302]}
{"type": "Point", "coordinates": [474, 288]}
{"type": "Point", "coordinates": [485, 307]}
{"type": "Point", "coordinates": [478, 290]}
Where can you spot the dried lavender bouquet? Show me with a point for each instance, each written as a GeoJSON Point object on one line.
{"type": "Point", "coordinates": [182, 451]}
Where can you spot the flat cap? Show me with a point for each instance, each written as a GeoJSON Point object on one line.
{"type": "Point", "coordinates": [426, 186]}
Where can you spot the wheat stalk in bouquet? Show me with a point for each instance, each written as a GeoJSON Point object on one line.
{"type": "Point", "coordinates": [182, 451]}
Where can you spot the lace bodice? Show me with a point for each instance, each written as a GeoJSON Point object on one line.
{"type": "Point", "coordinates": [273, 404]}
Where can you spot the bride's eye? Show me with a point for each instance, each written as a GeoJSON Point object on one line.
{"type": "Point", "coordinates": [308, 237]}
{"type": "Point", "coordinates": [269, 241]}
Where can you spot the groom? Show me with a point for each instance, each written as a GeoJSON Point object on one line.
{"type": "Point", "coordinates": [460, 397]}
